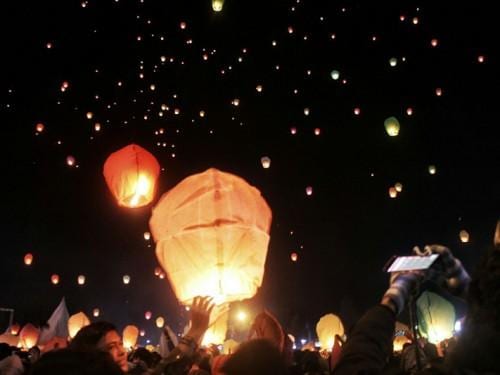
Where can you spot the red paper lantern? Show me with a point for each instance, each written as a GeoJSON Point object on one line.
{"type": "Point", "coordinates": [131, 175]}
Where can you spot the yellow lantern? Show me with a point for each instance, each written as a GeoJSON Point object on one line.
{"type": "Point", "coordinates": [266, 162]}
{"type": "Point", "coordinates": [77, 322]}
{"type": "Point", "coordinates": [28, 336]}
{"type": "Point", "coordinates": [464, 236]}
{"type": "Point", "coordinates": [432, 169]}
{"type": "Point", "coordinates": [28, 259]}
{"type": "Point", "coordinates": [160, 322]}
{"type": "Point", "coordinates": [216, 333]}
{"type": "Point", "coordinates": [436, 317]}
{"type": "Point", "coordinates": [217, 5]}
{"type": "Point", "coordinates": [392, 126]}
{"type": "Point", "coordinates": [399, 187]}
{"type": "Point", "coordinates": [131, 175]}
{"type": "Point", "coordinates": [130, 335]}
{"type": "Point", "coordinates": [212, 234]}
{"type": "Point", "coordinates": [326, 329]}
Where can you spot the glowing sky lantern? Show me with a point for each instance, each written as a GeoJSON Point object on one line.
{"type": "Point", "coordinates": [392, 126]}
{"type": "Point", "coordinates": [480, 59]}
{"type": "Point", "coordinates": [81, 279]}
{"type": "Point", "coordinates": [212, 235]}
{"type": "Point", "coordinates": [432, 169]}
{"type": "Point", "coordinates": [126, 279]}
{"type": "Point", "coordinates": [258, 88]}
{"type": "Point", "coordinates": [28, 259]}
{"type": "Point", "coordinates": [436, 317]}
{"type": "Point", "coordinates": [147, 315]}
{"type": "Point", "coordinates": [393, 61]}
{"type": "Point", "coordinates": [439, 91]}
{"type": "Point", "coordinates": [130, 336]}
{"type": "Point", "coordinates": [294, 256]}
{"type": "Point", "coordinates": [317, 131]}
{"type": "Point", "coordinates": [158, 271]}
{"type": "Point", "coordinates": [265, 161]}
{"type": "Point", "coordinates": [142, 333]}
{"type": "Point", "coordinates": [70, 160]}
{"type": "Point", "coordinates": [14, 329]}
{"type": "Point", "coordinates": [464, 236]}
{"type": "Point", "coordinates": [309, 190]}
{"type": "Point", "coordinates": [306, 111]}
{"type": "Point", "coordinates": [293, 130]}
{"type": "Point", "coordinates": [131, 175]}
{"type": "Point", "coordinates": [409, 111]}
{"type": "Point", "coordinates": [89, 115]}
{"type": "Point", "coordinates": [147, 236]}
{"type": "Point", "coordinates": [39, 127]}
{"type": "Point", "coordinates": [399, 187]}
{"type": "Point", "coordinates": [335, 74]}
{"type": "Point", "coordinates": [54, 279]}
{"type": "Point", "coordinates": [160, 322]}
{"type": "Point", "coordinates": [29, 336]}
{"type": "Point", "coordinates": [434, 42]}
{"type": "Point", "coordinates": [216, 333]}
{"type": "Point", "coordinates": [357, 111]}
{"type": "Point", "coordinates": [77, 322]}
{"type": "Point", "coordinates": [327, 327]}
{"type": "Point", "coordinates": [96, 312]}
{"type": "Point", "coordinates": [217, 5]}
{"type": "Point", "coordinates": [393, 193]}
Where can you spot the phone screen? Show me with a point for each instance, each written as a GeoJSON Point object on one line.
{"type": "Point", "coordinates": [411, 263]}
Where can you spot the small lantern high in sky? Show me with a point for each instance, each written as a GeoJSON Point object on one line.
{"type": "Point", "coordinates": [131, 175]}
{"type": "Point", "coordinates": [212, 234]}
{"type": "Point", "coordinates": [217, 5]}
{"type": "Point", "coordinates": [391, 125]}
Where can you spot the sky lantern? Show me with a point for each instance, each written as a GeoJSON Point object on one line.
{"type": "Point", "coordinates": [147, 315]}
{"type": "Point", "coordinates": [409, 111]}
{"type": "Point", "coordinates": [391, 125]}
{"type": "Point", "coordinates": [142, 333]}
{"type": "Point", "coordinates": [96, 312]}
{"type": "Point", "coordinates": [28, 259]}
{"type": "Point", "coordinates": [432, 169]}
{"type": "Point", "coordinates": [327, 327]}
{"type": "Point", "coordinates": [81, 279]}
{"type": "Point", "coordinates": [54, 279]}
{"type": "Point", "coordinates": [393, 193]}
{"type": "Point", "coordinates": [158, 271]}
{"type": "Point", "coordinates": [293, 130]}
{"type": "Point", "coordinates": [399, 187]}
{"type": "Point", "coordinates": [335, 74]}
{"type": "Point", "coordinates": [147, 236]}
{"type": "Point", "coordinates": [39, 127]}
{"type": "Point", "coordinates": [480, 59]}
{"type": "Point", "coordinates": [216, 332]}
{"type": "Point", "coordinates": [306, 111]}
{"type": "Point", "coordinates": [77, 322]}
{"type": "Point", "coordinates": [464, 236]}
{"type": "Point", "coordinates": [317, 131]}
{"type": "Point", "coordinates": [258, 88]}
{"type": "Point", "coordinates": [70, 160]}
{"type": "Point", "coordinates": [14, 329]}
{"type": "Point", "coordinates": [436, 317]}
{"type": "Point", "coordinates": [393, 61]}
{"type": "Point", "coordinates": [29, 336]}
{"type": "Point", "coordinates": [212, 235]}
{"type": "Point", "coordinates": [309, 190]}
{"type": "Point", "coordinates": [266, 162]}
{"type": "Point", "coordinates": [130, 335]}
{"type": "Point", "coordinates": [89, 115]}
{"type": "Point", "coordinates": [439, 91]}
{"type": "Point", "coordinates": [126, 279]}
{"type": "Point", "coordinates": [357, 111]}
{"type": "Point", "coordinates": [131, 175]}
{"type": "Point", "coordinates": [294, 256]}
{"type": "Point", "coordinates": [160, 322]}
{"type": "Point", "coordinates": [434, 42]}
{"type": "Point", "coordinates": [217, 5]}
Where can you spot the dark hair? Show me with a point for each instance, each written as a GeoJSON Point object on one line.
{"type": "Point", "coordinates": [143, 355]}
{"type": "Point", "coordinates": [88, 337]}
{"type": "Point", "coordinates": [258, 356]}
{"type": "Point", "coordinates": [65, 361]}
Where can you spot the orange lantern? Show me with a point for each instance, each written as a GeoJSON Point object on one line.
{"type": "Point", "coordinates": [29, 336]}
{"type": "Point", "coordinates": [131, 175]}
{"type": "Point", "coordinates": [212, 234]}
{"type": "Point", "coordinates": [77, 322]}
{"type": "Point", "coordinates": [39, 127]}
{"type": "Point", "coordinates": [160, 322]}
{"type": "Point", "coordinates": [54, 279]}
{"type": "Point", "coordinates": [28, 259]}
{"type": "Point", "coordinates": [14, 329]}
{"type": "Point", "coordinates": [130, 335]}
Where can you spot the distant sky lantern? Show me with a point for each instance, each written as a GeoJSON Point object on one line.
{"type": "Point", "coordinates": [327, 328]}
{"type": "Point", "coordinates": [147, 315]}
{"type": "Point", "coordinates": [147, 236]}
{"type": "Point", "coordinates": [214, 243]}
{"type": "Point", "coordinates": [335, 74]}
{"type": "Point", "coordinates": [28, 259]}
{"type": "Point", "coordinates": [415, 20]}
{"type": "Point", "coordinates": [183, 25]}
{"type": "Point", "coordinates": [357, 111]}
{"type": "Point", "coordinates": [409, 111]}
{"type": "Point", "coordinates": [392, 126]}
{"type": "Point", "coordinates": [96, 312]}
{"type": "Point", "coordinates": [317, 131]}
{"type": "Point", "coordinates": [393, 193]}
{"type": "Point", "coordinates": [202, 113]}
{"type": "Point", "coordinates": [29, 336]}
{"type": "Point", "coordinates": [161, 275]}
{"type": "Point", "coordinates": [130, 336]}
{"type": "Point", "coordinates": [217, 5]}
{"type": "Point", "coordinates": [39, 127]}
{"type": "Point", "coordinates": [126, 279]}
{"type": "Point", "coordinates": [464, 236]}
{"type": "Point", "coordinates": [89, 115]}
{"type": "Point", "coordinates": [439, 91]}
{"type": "Point", "coordinates": [480, 59]}
{"type": "Point", "coordinates": [294, 256]}
{"type": "Point", "coordinates": [436, 317]}
{"type": "Point", "coordinates": [157, 271]}
{"type": "Point", "coordinates": [432, 169]}
{"type": "Point", "coordinates": [54, 279]}
{"type": "Point", "coordinates": [399, 187]}
{"type": "Point", "coordinates": [70, 160]}
{"type": "Point", "coordinates": [160, 322]}
{"type": "Point", "coordinates": [265, 161]}
{"type": "Point", "coordinates": [434, 42]}
{"type": "Point", "coordinates": [235, 102]}
{"type": "Point", "coordinates": [309, 190]}
{"type": "Point", "coordinates": [131, 175]}
{"type": "Point", "coordinates": [77, 322]}
{"type": "Point", "coordinates": [142, 333]}
{"type": "Point", "coordinates": [81, 280]}
{"type": "Point", "coordinates": [393, 61]}
{"type": "Point", "coordinates": [97, 127]}
{"type": "Point", "coordinates": [258, 88]}
{"type": "Point", "coordinates": [293, 130]}
{"type": "Point", "coordinates": [306, 111]}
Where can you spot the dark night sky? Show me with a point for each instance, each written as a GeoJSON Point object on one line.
{"type": "Point", "coordinates": [344, 232]}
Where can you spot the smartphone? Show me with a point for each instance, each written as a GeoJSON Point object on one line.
{"type": "Point", "coordinates": [410, 263]}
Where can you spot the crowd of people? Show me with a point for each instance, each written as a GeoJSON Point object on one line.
{"type": "Point", "coordinates": [98, 348]}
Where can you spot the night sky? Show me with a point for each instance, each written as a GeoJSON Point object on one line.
{"type": "Point", "coordinates": [145, 79]}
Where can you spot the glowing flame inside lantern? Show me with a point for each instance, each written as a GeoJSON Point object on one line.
{"type": "Point", "coordinates": [54, 279]}
{"type": "Point", "coordinates": [28, 259]}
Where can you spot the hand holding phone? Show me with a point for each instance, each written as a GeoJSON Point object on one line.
{"type": "Point", "coordinates": [410, 263]}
